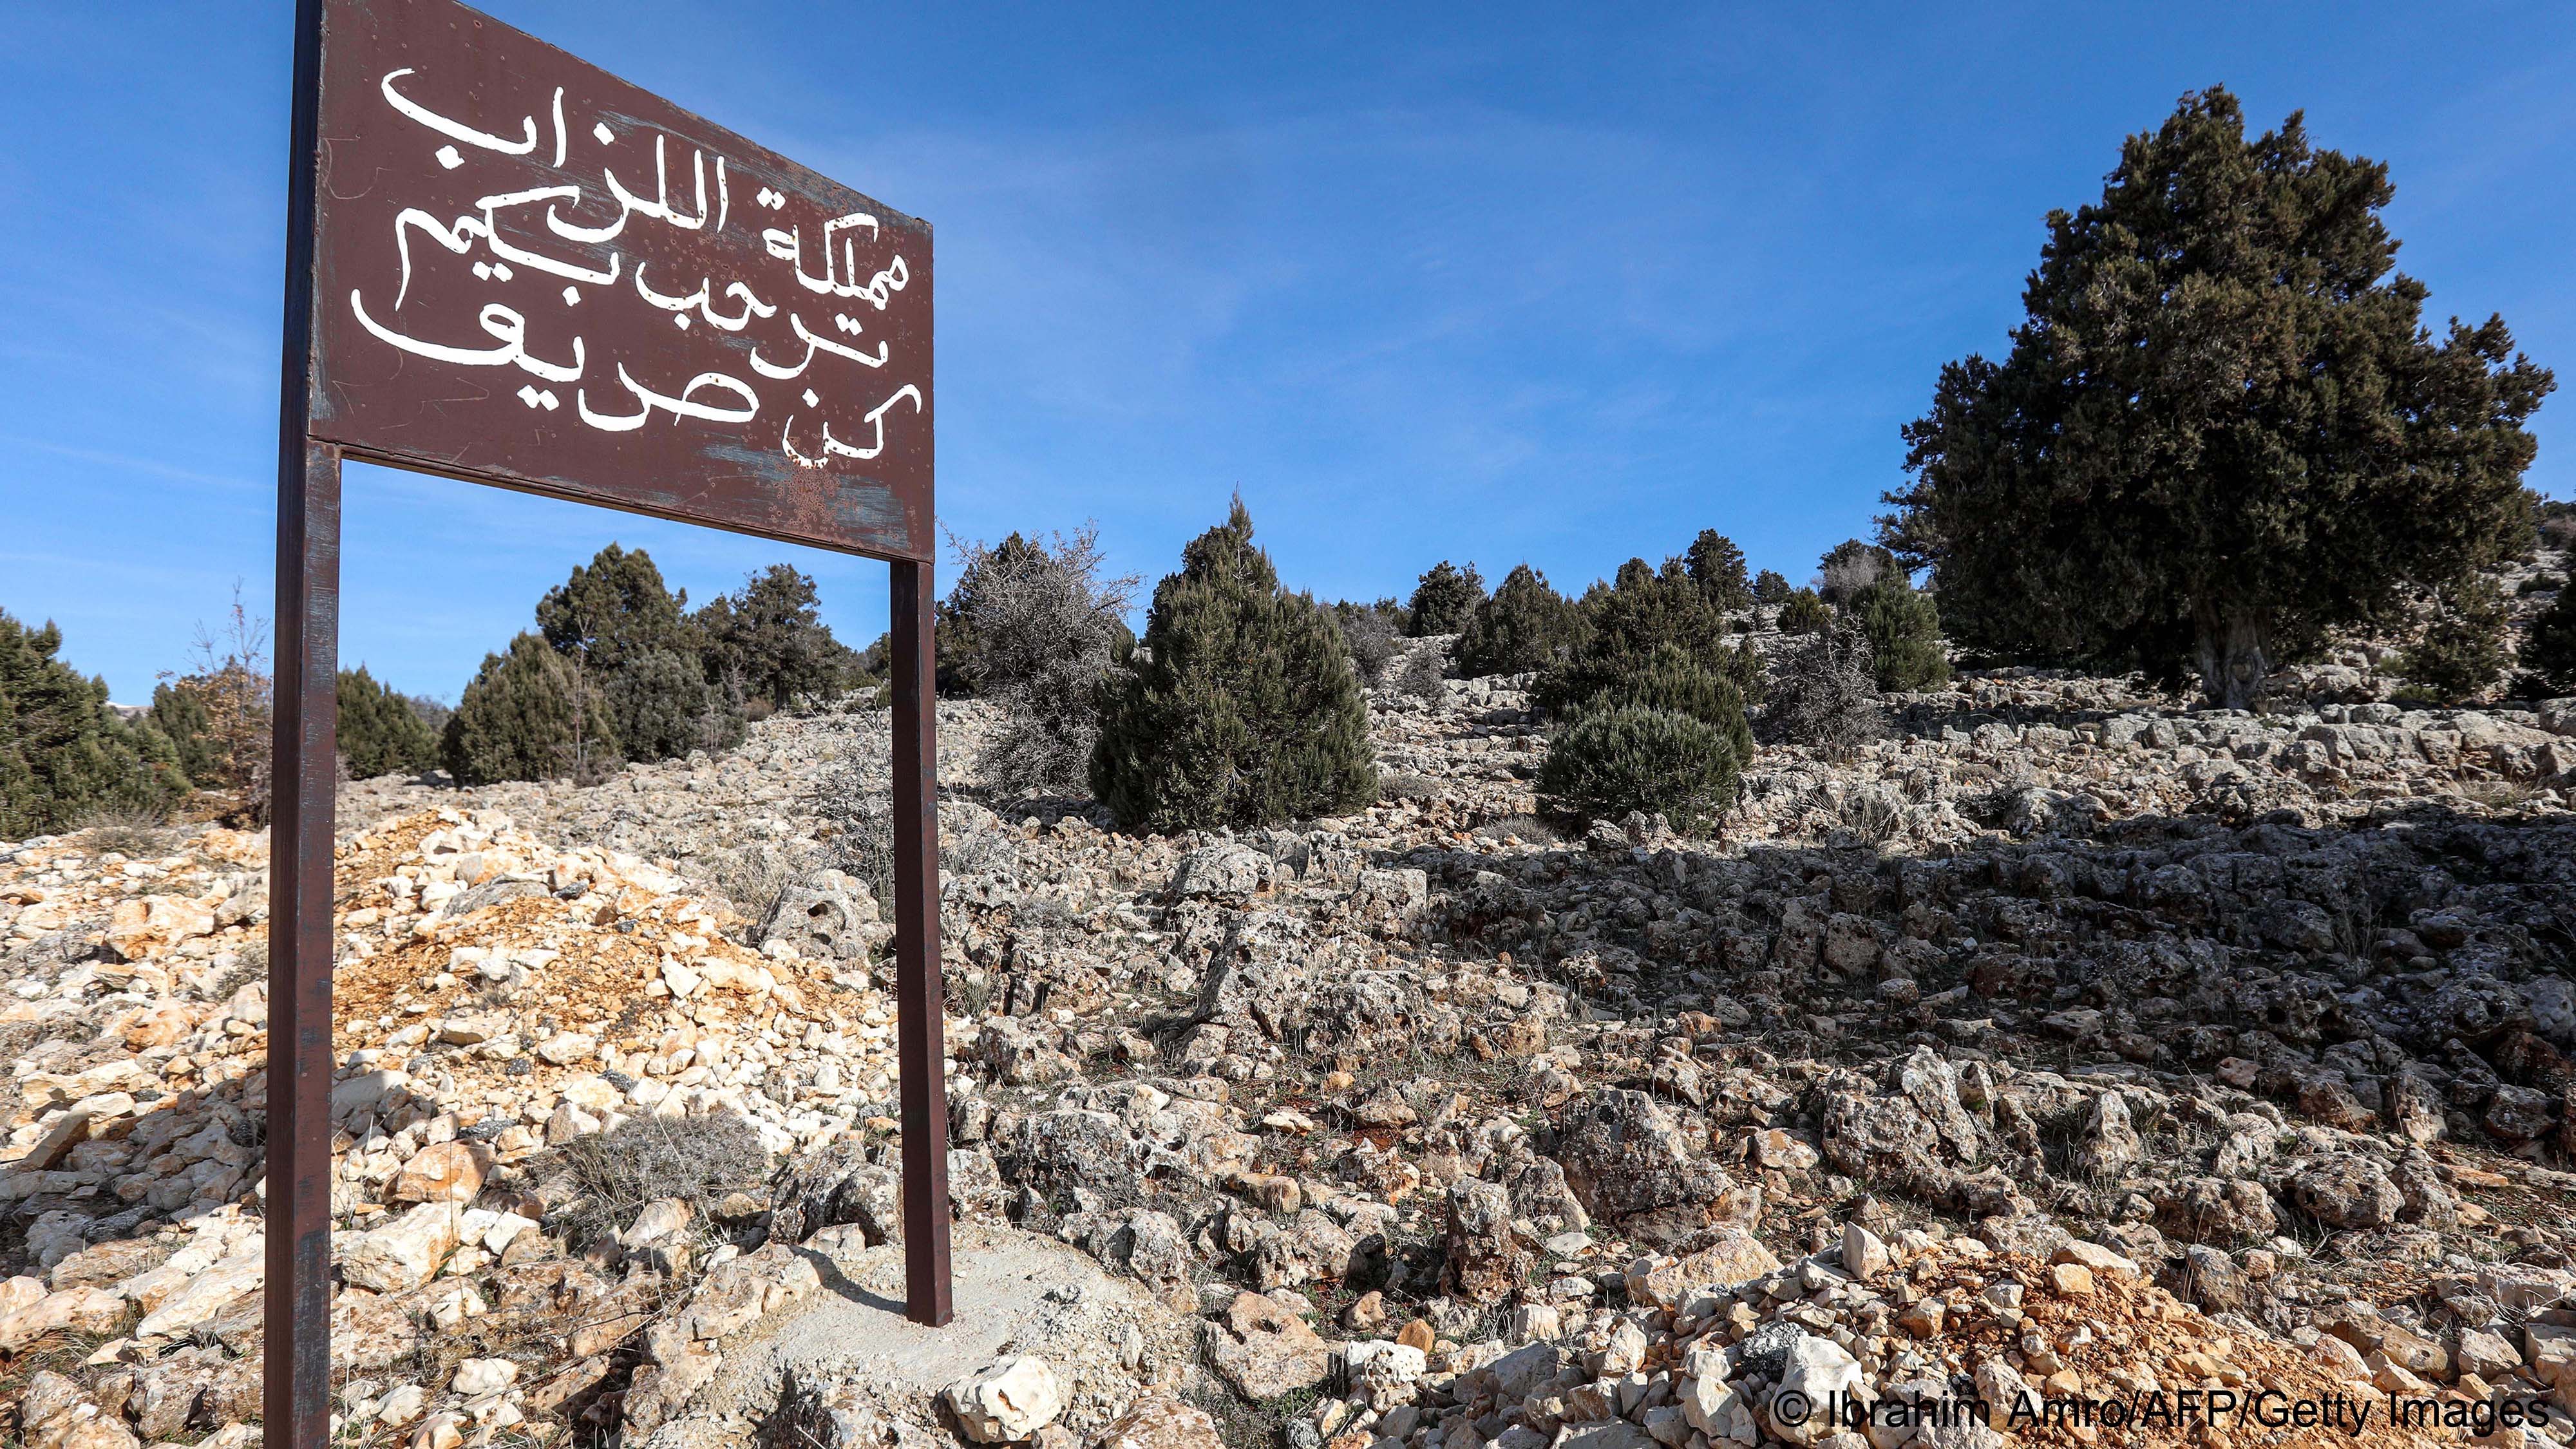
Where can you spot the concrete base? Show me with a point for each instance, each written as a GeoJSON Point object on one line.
{"type": "Point", "coordinates": [1016, 1293]}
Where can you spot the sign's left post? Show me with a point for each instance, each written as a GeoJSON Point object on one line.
{"type": "Point", "coordinates": [296, 1337]}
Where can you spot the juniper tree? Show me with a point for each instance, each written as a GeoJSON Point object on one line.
{"type": "Point", "coordinates": [1904, 633]}
{"type": "Point", "coordinates": [2549, 650]}
{"type": "Point", "coordinates": [529, 714]}
{"type": "Point", "coordinates": [1804, 612]}
{"type": "Point", "coordinates": [1625, 622]}
{"type": "Point", "coordinates": [1239, 707]}
{"type": "Point", "coordinates": [1525, 625]}
{"type": "Point", "coordinates": [613, 609]}
{"type": "Point", "coordinates": [63, 752]}
{"type": "Point", "coordinates": [1717, 566]}
{"type": "Point", "coordinates": [379, 732]}
{"type": "Point", "coordinates": [2223, 428]}
{"type": "Point", "coordinates": [2461, 648]}
{"type": "Point", "coordinates": [1443, 599]}
{"type": "Point", "coordinates": [769, 636]}
{"type": "Point", "coordinates": [1770, 588]}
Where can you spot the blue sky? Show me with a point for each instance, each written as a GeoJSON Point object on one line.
{"type": "Point", "coordinates": [1561, 284]}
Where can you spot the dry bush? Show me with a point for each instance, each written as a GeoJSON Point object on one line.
{"type": "Point", "coordinates": [645, 1159]}
{"type": "Point", "coordinates": [1045, 622]}
{"type": "Point", "coordinates": [1825, 696]}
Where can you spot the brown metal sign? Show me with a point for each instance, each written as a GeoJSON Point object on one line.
{"type": "Point", "coordinates": [508, 267]}
{"type": "Point", "coordinates": [529, 272]}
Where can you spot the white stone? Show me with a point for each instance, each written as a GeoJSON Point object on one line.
{"type": "Point", "coordinates": [476, 1377]}
{"type": "Point", "coordinates": [1821, 1370]}
{"type": "Point", "coordinates": [1007, 1401]}
{"type": "Point", "coordinates": [1864, 1256]}
{"type": "Point", "coordinates": [404, 1253]}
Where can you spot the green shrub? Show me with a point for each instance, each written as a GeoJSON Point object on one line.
{"type": "Point", "coordinates": [1613, 761]}
{"type": "Point", "coordinates": [380, 732]}
{"type": "Point", "coordinates": [64, 755]}
{"type": "Point", "coordinates": [1524, 626]}
{"type": "Point", "coordinates": [2549, 650]}
{"type": "Point", "coordinates": [1625, 623]}
{"type": "Point", "coordinates": [1672, 682]}
{"type": "Point", "coordinates": [661, 707]}
{"type": "Point", "coordinates": [1805, 613]}
{"type": "Point", "coordinates": [1444, 599]}
{"type": "Point", "coordinates": [1239, 708]}
{"type": "Point", "coordinates": [2461, 649]}
{"type": "Point", "coordinates": [1717, 566]}
{"type": "Point", "coordinates": [530, 714]}
{"type": "Point", "coordinates": [1904, 633]}
{"type": "Point", "coordinates": [1770, 588]}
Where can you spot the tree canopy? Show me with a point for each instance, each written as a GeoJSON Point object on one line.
{"type": "Point", "coordinates": [2223, 428]}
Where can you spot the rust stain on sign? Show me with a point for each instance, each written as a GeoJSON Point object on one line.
{"type": "Point", "coordinates": [530, 273]}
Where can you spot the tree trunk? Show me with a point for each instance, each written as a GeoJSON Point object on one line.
{"type": "Point", "coordinates": [2232, 666]}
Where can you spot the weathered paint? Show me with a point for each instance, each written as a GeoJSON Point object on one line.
{"type": "Point", "coordinates": [440, 398]}
{"type": "Point", "coordinates": [410, 246]}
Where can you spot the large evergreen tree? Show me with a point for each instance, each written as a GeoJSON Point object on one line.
{"type": "Point", "coordinates": [2223, 429]}
{"type": "Point", "coordinates": [1239, 708]}
{"type": "Point", "coordinates": [627, 636]}
{"type": "Point", "coordinates": [615, 609]}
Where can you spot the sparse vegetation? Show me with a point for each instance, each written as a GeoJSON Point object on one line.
{"type": "Point", "coordinates": [1825, 696]}
{"type": "Point", "coordinates": [1048, 622]}
{"type": "Point", "coordinates": [697, 1160]}
{"type": "Point", "coordinates": [1372, 633]}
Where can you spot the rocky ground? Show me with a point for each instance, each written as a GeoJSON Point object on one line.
{"type": "Point", "coordinates": [2069, 1050]}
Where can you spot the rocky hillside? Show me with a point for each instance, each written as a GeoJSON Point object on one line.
{"type": "Point", "coordinates": [2066, 1051]}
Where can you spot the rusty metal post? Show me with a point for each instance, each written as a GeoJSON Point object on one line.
{"type": "Point", "coordinates": [295, 1392]}
{"type": "Point", "coordinates": [919, 1011]}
